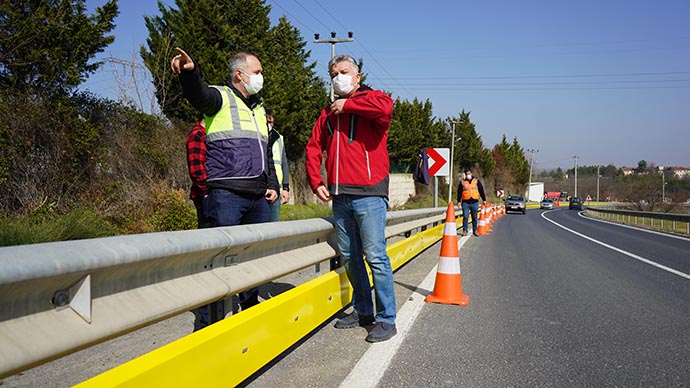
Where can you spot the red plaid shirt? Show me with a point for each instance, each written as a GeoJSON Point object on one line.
{"type": "Point", "coordinates": [196, 160]}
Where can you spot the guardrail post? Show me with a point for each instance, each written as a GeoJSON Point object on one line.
{"type": "Point", "coordinates": [335, 262]}
{"type": "Point", "coordinates": [219, 309]}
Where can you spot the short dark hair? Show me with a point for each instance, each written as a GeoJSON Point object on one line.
{"type": "Point", "coordinates": [468, 169]}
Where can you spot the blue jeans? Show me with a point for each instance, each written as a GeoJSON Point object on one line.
{"type": "Point", "coordinates": [360, 223]}
{"type": "Point", "coordinates": [225, 208]}
{"type": "Point", "coordinates": [274, 210]}
{"type": "Point", "coordinates": [467, 209]}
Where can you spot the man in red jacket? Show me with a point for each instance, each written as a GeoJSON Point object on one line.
{"type": "Point", "coordinates": [353, 131]}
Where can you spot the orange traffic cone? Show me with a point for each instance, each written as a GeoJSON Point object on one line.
{"type": "Point", "coordinates": [448, 285]}
{"type": "Point", "coordinates": [489, 218]}
{"type": "Point", "coordinates": [481, 227]}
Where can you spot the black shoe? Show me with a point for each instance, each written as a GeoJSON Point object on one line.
{"type": "Point", "coordinates": [354, 320]}
{"type": "Point", "coordinates": [382, 332]}
{"type": "Point", "coordinates": [475, 233]}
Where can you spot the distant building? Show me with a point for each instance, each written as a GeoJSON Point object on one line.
{"type": "Point", "coordinates": [680, 172]}
{"type": "Point", "coordinates": [628, 170]}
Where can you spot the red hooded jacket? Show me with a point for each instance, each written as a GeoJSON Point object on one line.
{"type": "Point", "coordinates": [355, 142]}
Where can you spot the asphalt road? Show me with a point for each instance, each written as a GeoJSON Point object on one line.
{"type": "Point", "coordinates": [550, 308]}
{"type": "Point", "coordinates": [555, 300]}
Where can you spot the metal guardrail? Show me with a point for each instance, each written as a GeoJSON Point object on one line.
{"type": "Point", "coordinates": [667, 221]}
{"type": "Point", "coordinates": [57, 298]}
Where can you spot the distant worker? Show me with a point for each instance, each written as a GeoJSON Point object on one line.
{"type": "Point", "coordinates": [241, 178]}
{"type": "Point", "coordinates": [469, 191]}
{"type": "Point", "coordinates": [353, 130]}
{"type": "Point", "coordinates": [277, 146]}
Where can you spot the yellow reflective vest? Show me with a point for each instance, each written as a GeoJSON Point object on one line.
{"type": "Point", "coordinates": [236, 140]}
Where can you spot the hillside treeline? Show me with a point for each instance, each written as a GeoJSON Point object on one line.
{"type": "Point", "coordinates": [647, 188]}
{"type": "Point", "coordinates": [64, 148]}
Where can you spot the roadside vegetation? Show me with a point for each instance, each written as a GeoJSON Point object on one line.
{"type": "Point", "coordinates": [74, 165]}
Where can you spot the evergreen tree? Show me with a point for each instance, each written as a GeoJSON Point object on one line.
{"type": "Point", "coordinates": [518, 163]}
{"type": "Point", "coordinates": [469, 150]}
{"type": "Point", "coordinates": [413, 127]}
{"type": "Point", "coordinates": [46, 46]}
{"type": "Point", "coordinates": [511, 166]}
{"type": "Point", "coordinates": [212, 32]}
{"type": "Point", "coordinates": [292, 88]}
{"type": "Point", "coordinates": [487, 163]}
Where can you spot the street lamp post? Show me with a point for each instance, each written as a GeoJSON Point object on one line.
{"type": "Point", "coordinates": [450, 173]}
{"type": "Point", "coordinates": [333, 41]}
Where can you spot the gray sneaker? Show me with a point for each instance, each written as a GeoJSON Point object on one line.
{"type": "Point", "coordinates": [463, 233]}
{"type": "Point", "coordinates": [354, 320]}
{"type": "Point", "coordinates": [382, 332]}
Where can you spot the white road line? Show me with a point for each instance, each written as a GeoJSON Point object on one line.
{"type": "Point", "coordinates": [634, 256]}
{"type": "Point", "coordinates": [373, 364]}
{"type": "Point", "coordinates": [634, 227]}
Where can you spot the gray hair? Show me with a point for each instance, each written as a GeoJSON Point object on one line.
{"type": "Point", "coordinates": [239, 61]}
{"type": "Point", "coordinates": [343, 58]}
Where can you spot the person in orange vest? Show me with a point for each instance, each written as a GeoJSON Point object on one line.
{"type": "Point", "coordinates": [470, 190]}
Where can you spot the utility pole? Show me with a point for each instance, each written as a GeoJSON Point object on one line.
{"type": "Point", "coordinates": [663, 187]}
{"type": "Point", "coordinates": [125, 86]}
{"type": "Point", "coordinates": [531, 159]}
{"type": "Point", "coordinates": [575, 157]}
{"type": "Point", "coordinates": [333, 42]}
{"type": "Point", "coordinates": [450, 176]}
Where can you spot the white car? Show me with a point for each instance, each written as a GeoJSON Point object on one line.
{"type": "Point", "coordinates": [547, 204]}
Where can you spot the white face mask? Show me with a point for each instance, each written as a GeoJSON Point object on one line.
{"type": "Point", "coordinates": [256, 82]}
{"type": "Point", "coordinates": [342, 84]}
{"type": "Point", "coordinates": [468, 176]}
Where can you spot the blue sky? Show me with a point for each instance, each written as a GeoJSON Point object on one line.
{"type": "Point", "coordinates": [607, 81]}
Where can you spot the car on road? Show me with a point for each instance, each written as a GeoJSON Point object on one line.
{"type": "Point", "coordinates": [547, 204]}
{"type": "Point", "coordinates": [575, 203]}
{"type": "Point", "coordinates": [515, 203]}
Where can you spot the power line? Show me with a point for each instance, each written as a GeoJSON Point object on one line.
{"type": "Point", "coordinates": [385, 70]}
{"type": "Point", "coordinates": [312, 15]}
{"type": "Point", "coordinates": [454, 88]}
{"type": "Point", "coordinates": [292, 16]}
{"type": "Point", "coordinates": [561, 76]}
{"type": "Point", "coordinates": [553, 83]}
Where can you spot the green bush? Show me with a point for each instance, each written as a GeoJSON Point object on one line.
{"type": "Point", "coordinates": [170, 210]}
